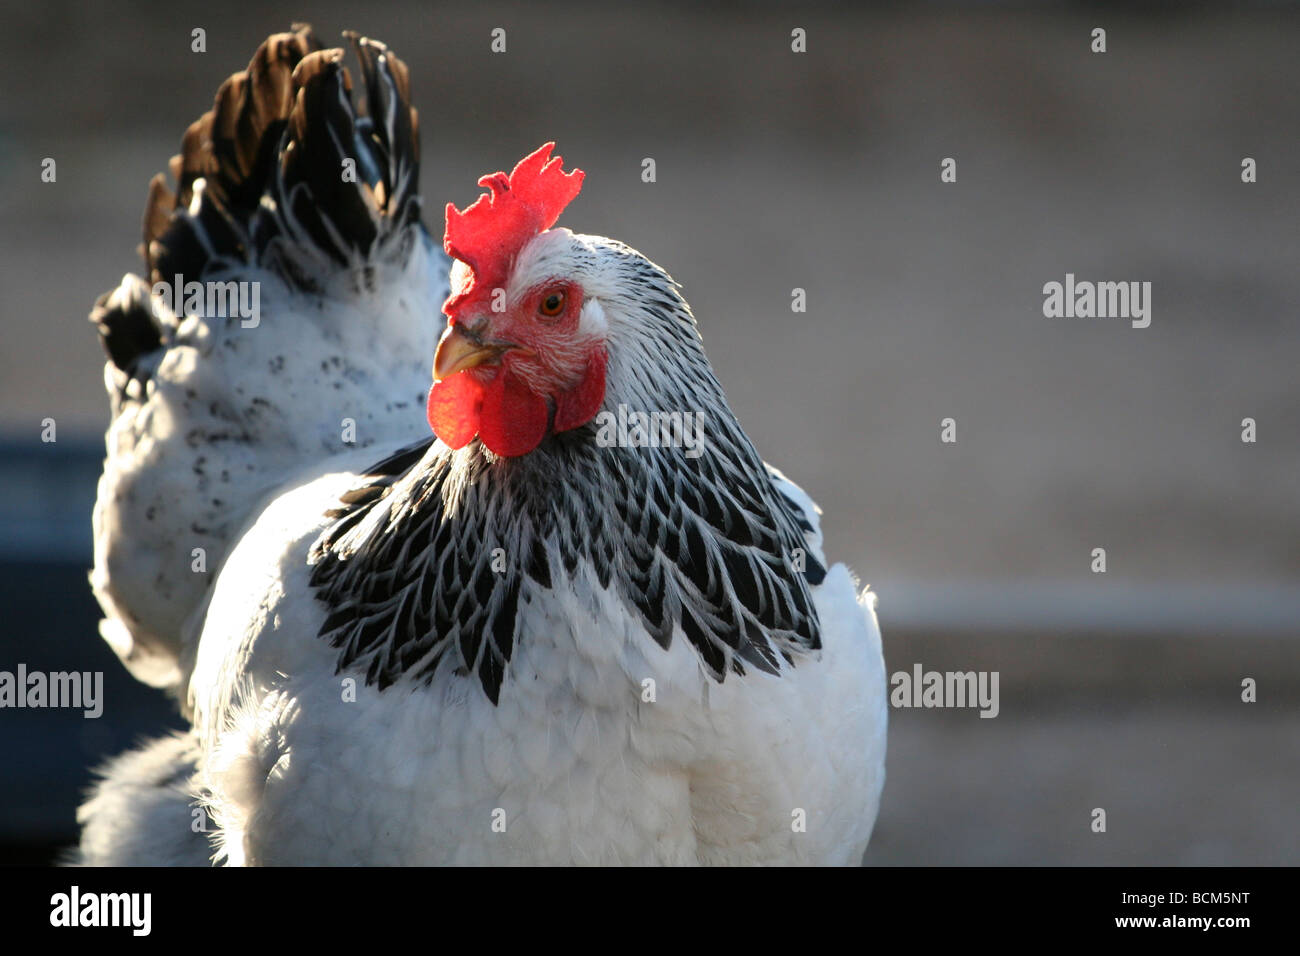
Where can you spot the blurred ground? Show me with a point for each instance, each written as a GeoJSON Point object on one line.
{"type": "Point", "coordinates": [822, 171]}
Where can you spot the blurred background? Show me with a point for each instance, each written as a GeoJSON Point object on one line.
{"type": "Point", "coordinates": [820, 171]}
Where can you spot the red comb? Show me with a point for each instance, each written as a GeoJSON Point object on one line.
{"type": "Point", "coordinates": [489, 234]}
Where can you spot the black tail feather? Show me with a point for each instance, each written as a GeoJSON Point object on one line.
{"type": "Point", "coordinates": [128, 328]}
{"type": "Point", "coordinates": [269, 161]}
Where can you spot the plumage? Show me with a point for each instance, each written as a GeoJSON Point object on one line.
{"type": "Point", "coordinates": [537, 645]}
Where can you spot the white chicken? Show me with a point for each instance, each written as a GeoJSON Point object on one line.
{"type": "Point", "coordinates": [538, 635]}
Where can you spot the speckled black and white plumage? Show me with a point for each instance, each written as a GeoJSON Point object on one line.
{"type": "Point", "coordinates": [208, 415]}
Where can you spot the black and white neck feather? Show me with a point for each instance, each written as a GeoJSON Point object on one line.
{"type": "Point", "coordinates": [707, 543]}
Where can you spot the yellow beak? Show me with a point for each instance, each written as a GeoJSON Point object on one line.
{"type": "Point", "coordinates": [461, 348]}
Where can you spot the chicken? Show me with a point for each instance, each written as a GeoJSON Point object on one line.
{"type": "Point", "coordinates": [286, 190]}
{"type": "Point", "coordinates": [537, 635]}
{"type": "Point", "coordinates": [213, 412]}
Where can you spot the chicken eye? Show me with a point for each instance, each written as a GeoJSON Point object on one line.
{"type": "Point", "coordinates": [552, 305]}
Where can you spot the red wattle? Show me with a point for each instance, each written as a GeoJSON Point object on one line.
{"type": "Point", "coordinates": [579, 404]}
{"type": "Point", "coordinates": [512, 419]}
{"type": "Point", "coordinates": [455, 408]}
